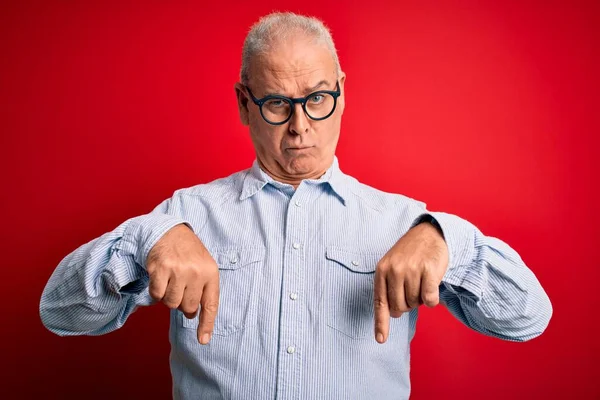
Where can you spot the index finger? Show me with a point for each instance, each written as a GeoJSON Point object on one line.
{"type": "Point", "coordinates": [209, 304]}
{"type": "Point", "coordinates": [381, 307]}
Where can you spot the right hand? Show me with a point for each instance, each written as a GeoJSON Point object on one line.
{"type": "Point", "coordinates": [183, 275]}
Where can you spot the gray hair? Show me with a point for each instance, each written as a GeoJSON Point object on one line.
{"type": "Point", "coordinates": [280, 26]}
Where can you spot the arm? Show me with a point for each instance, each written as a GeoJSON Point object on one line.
{"type": "Point", "coordinates": [488, 287]}
{"type": "Point", "coordinates": [96, 287]}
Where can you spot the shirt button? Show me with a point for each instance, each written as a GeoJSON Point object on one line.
{"type": "Point", "coordinates": [297, 203]}
{"type": "Point", "coordinates": [233, 261]}
{"type": "Point", "coordinates": [293, 296]}
{"type": "Point", "coordinates": [291, 350]}
{"type": "Point", "coordinates": [355, 263]}
{"type": "Point", "coordinates": [296, 246]}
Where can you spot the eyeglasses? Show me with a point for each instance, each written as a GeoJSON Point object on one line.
{"type": "Point", "coordinates": [277, 110]}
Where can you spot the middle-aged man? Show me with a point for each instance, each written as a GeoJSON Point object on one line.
{"type": "Point", "coordinates": [305, 264]}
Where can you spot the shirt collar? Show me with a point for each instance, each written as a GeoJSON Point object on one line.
{"type": "Point", "coordinates": [256, 179]}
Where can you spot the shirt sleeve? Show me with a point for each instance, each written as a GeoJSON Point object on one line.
{"type": "Point", "coordinates": [94, 289]}
{"type": "Point", "coordinates": [487, 286]}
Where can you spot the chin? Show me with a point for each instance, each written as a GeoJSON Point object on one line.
{"type": "Point", "coordinates": [302, 165]}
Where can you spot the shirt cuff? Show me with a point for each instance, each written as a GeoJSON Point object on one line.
{"type": "Point", "coordinates": [143, 232]}
{"type": "Point", "coordinates": [460, 239]}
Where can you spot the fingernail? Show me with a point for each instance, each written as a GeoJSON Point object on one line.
{"type": "Point", "coordinates": [380, 337]}
{"type": "Point", "coordinates": [205, 338]}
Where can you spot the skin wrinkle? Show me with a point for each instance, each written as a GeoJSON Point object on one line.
{"type": "Point", "coordinates": [280, 88]}
{"type": "Point", "coordinates": [322, 85]}
{"type": "Point", "coordinates": [301, 148]}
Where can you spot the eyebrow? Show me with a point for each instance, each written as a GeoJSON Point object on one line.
{"type": "Point", "coordinates": [317, 86]}
{"type": "Point", "coordinates": [306, 91]}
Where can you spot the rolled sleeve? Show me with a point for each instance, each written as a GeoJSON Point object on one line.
{"type": "Point", "coordinates": [460, 239]}
{"type": "Point", "coordinates": [144, 232]}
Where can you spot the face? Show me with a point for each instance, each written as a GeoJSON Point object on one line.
{"type": "Point", "coordinates": [301, 148]}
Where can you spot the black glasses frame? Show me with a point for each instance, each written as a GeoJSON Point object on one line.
{"type": "Point", "coordinates": [291, 101]}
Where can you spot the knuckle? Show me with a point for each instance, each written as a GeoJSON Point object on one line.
{"type": "Point", "coordinates": [387, 263]}
{"type": "Point", "coordinates": [382, 265]}
{"type": "Point", "coordinates": [175, 267]}
{"type": "Point", "coordinates": [399, 308]}
{"type": "Point", "coordinates": [379, 303]}
{"type": "Point", "coordinates": [210, 306]}
{"type": "Point", "coordinates": [415, 267]}
{"type": "Point", "coordinates": [167, 262]}
{"type": "Point", "coordinates": [150, 266]}
{"type": "Point", "coordinates": [413, 300]}
{"type": "Point", "coordinates": [155, 294]}
{"type": "Point", "coordinates": [425, 265]}
{"type": "Point", "coordinates": [170, 302]}
{"type": "Point", "coordinates": [394, 309]}
{"type": "Point", "coordinates": [431, 300]}
{"type": "Point", "coordinates": [189, 308]}
{"type": "Point", "coordinates": [432, 303]}
{"type": "Point", "coordinates": [190, 300]}
{"type": "Point", "coordinates": [192, 270]}
{"type": "Point", "coordinates": [395, 313]}
{"type": "Point", "coordinates": [397, 271]}
{"type": "Point", "coordinates": [152, 257]}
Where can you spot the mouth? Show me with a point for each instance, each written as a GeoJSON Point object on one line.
{"type": "Point", "coordinates": [299, 148]}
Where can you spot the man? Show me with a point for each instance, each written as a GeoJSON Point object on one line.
{"type": "Point", "coordinates": [316, 277]}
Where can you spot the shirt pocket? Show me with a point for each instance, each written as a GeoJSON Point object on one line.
{"type": "Point", "coordinates": [350, 291]}
{"type": "Point", "coordinates": [238, 270]}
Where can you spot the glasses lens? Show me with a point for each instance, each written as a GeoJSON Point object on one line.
{"type": "Point", "coordinates": [320, 105]}
{"type": "Point", "coordinates": [276, 110]}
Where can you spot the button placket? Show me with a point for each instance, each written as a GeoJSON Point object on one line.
{"type": "Point", "coordinates": [292, 310]}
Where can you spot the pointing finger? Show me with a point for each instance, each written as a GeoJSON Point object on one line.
{"type": "Point", "coordinates": [381, 307]}
{"type": "Point", "coordinates": [208, 311]}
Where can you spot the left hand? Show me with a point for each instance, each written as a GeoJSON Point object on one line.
{"type": "Point", "coordinates": [409, 275]}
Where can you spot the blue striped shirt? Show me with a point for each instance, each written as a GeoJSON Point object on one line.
{"type": "Point", "coordinates": [296, 272]}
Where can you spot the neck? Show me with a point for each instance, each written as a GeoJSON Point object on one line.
{"type": "Point", "coordinates": [293, 180]}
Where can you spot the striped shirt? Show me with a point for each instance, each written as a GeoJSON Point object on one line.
{"type": "Point", "coordinates": [296, 272]}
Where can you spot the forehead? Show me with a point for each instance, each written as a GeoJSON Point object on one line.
{"type": "Point", "coordinates": [292, 66]}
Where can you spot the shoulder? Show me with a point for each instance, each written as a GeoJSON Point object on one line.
{"type": "Point", "coordinates": [221, 190]}
{"type": "Point", "coordinates": [378, 199]}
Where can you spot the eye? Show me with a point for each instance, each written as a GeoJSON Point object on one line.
{"type": "Point", "coordinates": [276, 103]}
{"type": "Point", "coordinates": [316, 99]}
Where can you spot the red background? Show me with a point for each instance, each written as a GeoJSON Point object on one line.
{"type": "Point", "coordinates": [489, 111]}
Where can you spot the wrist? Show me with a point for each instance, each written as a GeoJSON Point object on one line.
{"type": "Point", "coordinates": [431, 221]}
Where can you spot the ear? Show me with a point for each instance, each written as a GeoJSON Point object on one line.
{"type": "Point", "coordinates": [242, 100]}
{"type": "Point", "coordinates": [342, 98]}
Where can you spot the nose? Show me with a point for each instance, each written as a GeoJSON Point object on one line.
{"type": "Point", "coordinates": [299, 122]}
